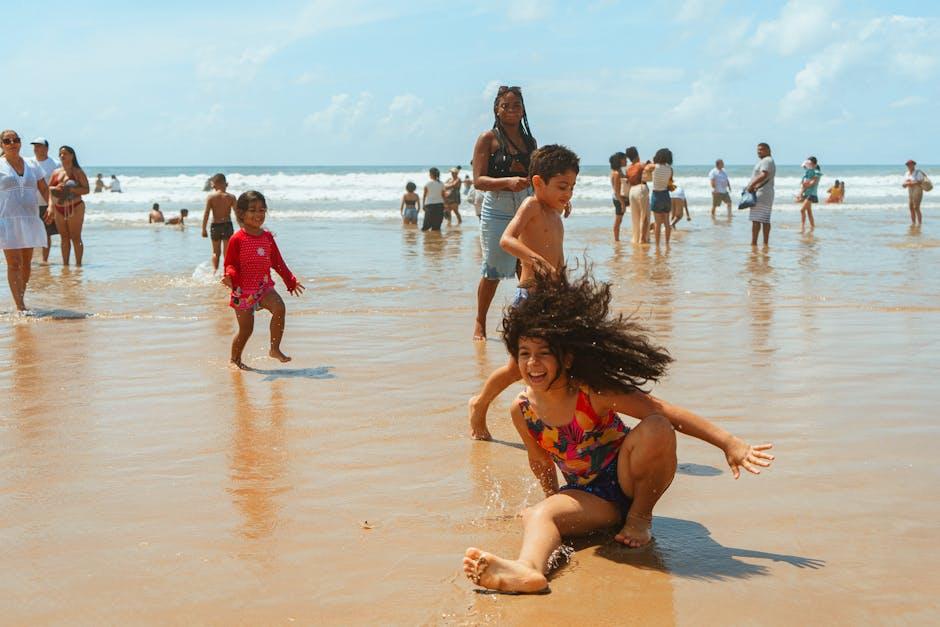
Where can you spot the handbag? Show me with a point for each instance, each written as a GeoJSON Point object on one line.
{"type": "Point", "coordinates": [926, 184]}
{"type": "Point", "coordinates": [748, 199]}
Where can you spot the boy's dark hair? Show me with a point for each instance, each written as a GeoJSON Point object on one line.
{"type": "Point", "coordinates": [184, 212]}
{"type": "Point", "coordinates": [632, 154]}
{"type": "Point", "coordinates": [616, 159]}
{"type": "Point", "coordinates": [156, 207]}
{"type": "Point", "coordinates": [552, 160]}
{"type": "Point", "coordinates": [410, 187]}
{"type": "Point", "coordinates": [608, 353]}
{"type": "Point", "coordinates": [664, 156]}
{"type": "Point", "coordinates": [244, 199]}
{"type": "Point", "coordinates": [218, 178]}
{"type": "Point", "coordinates": [435, 173]}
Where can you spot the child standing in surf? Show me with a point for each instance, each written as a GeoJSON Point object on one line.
{"type": "Point", "coordinates": [251, 255]}
{"type": "Point", "coordinates": [583, 367]}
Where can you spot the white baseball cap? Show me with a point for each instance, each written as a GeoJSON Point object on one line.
{"type": "Point", "coordinates": [41, 140]}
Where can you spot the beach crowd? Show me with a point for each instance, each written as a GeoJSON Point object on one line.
{"type": "Point", "coordinates": [583, 366]}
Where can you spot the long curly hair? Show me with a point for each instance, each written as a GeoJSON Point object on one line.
{"type": "Point", "coordinates": [523, 123]}
{"type": "Point", "coordinates": [572, 315]}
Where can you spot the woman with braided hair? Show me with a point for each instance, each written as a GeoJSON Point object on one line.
{"type": "Point", "coordinates": [501, 171]}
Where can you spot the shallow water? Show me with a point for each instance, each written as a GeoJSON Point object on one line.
{"type": "Point", "coordinates": [145, 481]}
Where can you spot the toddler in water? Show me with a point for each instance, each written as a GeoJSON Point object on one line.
{"type": "Point", "coordinates": [582, 367]}
{"type": "Point", "coordinates": [179, 220]}
{"type": "Point", "coordinates": [534, 236]}
{"type": "Point", "coordinates": [251, 254]}
{"type": "Point", "coordinates": [409, 204]}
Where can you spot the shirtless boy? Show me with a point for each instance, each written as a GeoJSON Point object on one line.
{"type": "Point", "coordinates": [220, 203]}
{"type": "Point", "coordinates": [535, 236]}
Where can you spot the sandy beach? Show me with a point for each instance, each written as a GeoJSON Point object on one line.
{"type": "Point", "coordinates": [146, 482]}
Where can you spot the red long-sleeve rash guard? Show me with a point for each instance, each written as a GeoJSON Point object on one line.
{"type": "Point", "coordinates": [249, 259]}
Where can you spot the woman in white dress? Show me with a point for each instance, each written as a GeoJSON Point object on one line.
{"type": "Point", "coordinates": [21, 230]}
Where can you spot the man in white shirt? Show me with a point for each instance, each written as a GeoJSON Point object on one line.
{"type": "Point", "coordinates": [115, 185]}
{"type": "Point", "coordinates": [914, 182]}
{"type": "Point", "coordinates": [721, 186]}
{"type": "Point", "coordinates": [43, 164]}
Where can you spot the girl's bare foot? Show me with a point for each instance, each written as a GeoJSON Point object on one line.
{"type": "Point", "coordinates": [635, 532]}
{"type": "Point", "coordinates": [278, 355]}
{"type": "Point", "coordinates": [478, 430]}
{"type": "Point", "coordinates": [237, 363]}
{"type": "Point", "coordinates": [497, 573]}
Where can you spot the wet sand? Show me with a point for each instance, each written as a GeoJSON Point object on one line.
{"type": "Point", "coordinates": [144, 481]}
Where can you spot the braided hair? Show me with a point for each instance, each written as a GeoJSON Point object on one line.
{"type": "Point", "coordinates": [572, 315]}
{"type": "Point", "coordinates": [523, 124]}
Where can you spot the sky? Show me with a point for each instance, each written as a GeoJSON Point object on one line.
{"type": "Point", "coordinates": [356, 82]}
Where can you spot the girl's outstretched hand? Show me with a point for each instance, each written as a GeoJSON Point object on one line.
{"type": "Point", "coordinates": [298, 290]}
{"type": "Point", "coordinates": [752, 458]}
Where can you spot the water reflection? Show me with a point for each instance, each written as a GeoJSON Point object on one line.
{"type": "Point", "coordinates": [258, 461]}
{"type": "Point", "coordinates": [409, 241]}
{"type": "Point", "coordinates": [760, 291]}
{"type": "Point", "coordinates": [662, 297]}
{"type": "Point", "coordinates": [810, 283]}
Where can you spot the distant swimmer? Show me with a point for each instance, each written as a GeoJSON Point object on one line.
{"type": "Point", "coordinates": [99, 185]}
{"type": "Point", "coordinates": [721, 186]}
{"type": "Point", "coordinates": [115, 185]}
{"type": "Point", "coordinates": [835, 193]}
{"type": "Point", "coordinates": [220, 204]}
{"type": "Point", "coordinates": [156, 216]}
{"type": "Point", "coordinates": [179, 220]}
{"type": "Point", "coordinates": [251, 255]}
{"type": "Point", "coordinates": [915, 181]}
{"type": "Point", "coordinates": [408, 209]}
{"type": "Point", "coordinates": [679, 206]}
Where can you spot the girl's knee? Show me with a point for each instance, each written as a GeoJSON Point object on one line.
{"type": "Point", "coordinates": [659, 431]}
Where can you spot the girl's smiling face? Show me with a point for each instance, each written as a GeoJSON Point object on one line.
{"type": "Point", "coordinates": [254, 215]}
{"type": "Point", "coordinates": [509, 109]}
{"type": "Point", "coordinates": [539, 367]}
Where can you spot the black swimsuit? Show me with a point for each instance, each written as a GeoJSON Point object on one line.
{"type": "Point", "coordinates": [501, 162]}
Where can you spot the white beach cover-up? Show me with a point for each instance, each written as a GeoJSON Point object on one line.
{"type": "Point", "coordinates": [20, 226]}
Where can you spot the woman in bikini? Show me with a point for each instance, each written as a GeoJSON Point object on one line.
{"type": "Point", "coordinates": [67, 186]}
{"type": "Point", "coordinates": [501, 172]}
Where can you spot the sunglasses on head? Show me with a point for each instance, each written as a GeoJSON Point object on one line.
{"type": "Point", "coordinates": [505, 88]}
{"type": "Point", "coordinates": [7, 141]}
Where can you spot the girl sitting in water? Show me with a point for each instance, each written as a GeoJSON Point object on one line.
{"type": "Point", "coordinates": [409, 204]}
{"type": "Point", "coordinates": [583, 367]}
{"type": "Point", "coordinates": [249, 258]}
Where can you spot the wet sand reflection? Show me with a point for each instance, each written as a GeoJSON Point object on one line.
{"type": "Point", "coordinates": [258, 464]}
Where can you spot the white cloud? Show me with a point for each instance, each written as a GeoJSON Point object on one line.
{"type": "Point", "coordinates": [694, 10]}
{"type": "Point", "coordinates": [699, 102]}
{"type": "Point", "coordinates": [528, 10]}
{"type": "Point", "coordinates": [800, 26]}
{"type": "Point", "coordinates": [917, 66]}
{"type": "Point", "coordinates": [342, 114]}
{"type": "Point", "coordinates": [307, 77]}
{"type": "Point", "coordinates": [225, 64]}
{"type": "Point", "coordinates": [910, 101]}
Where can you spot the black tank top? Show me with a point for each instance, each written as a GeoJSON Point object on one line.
{"type": "Point", "coordinates": [501, 161]}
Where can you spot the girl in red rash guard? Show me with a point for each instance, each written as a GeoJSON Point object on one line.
{"type": "Point", "coordinates": [251, 254]}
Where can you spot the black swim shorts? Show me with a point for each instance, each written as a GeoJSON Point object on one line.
{"type": "Point", "coordinates": [221, 230]}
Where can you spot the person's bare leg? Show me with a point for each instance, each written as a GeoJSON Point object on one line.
{"type": "Point", "coordinates": [457, 214]}
{"type": "Point", "coordinates": [668, 229]}
{"type": "Point", "coordinates": [729, 209]}
{"type": "Point", "coordinates": [246, 324]}
{"type": "Point", "coordinates": [803, 216]}
{"type": "Point", "coordinates": [618, 220]}
{"type": "Point", "coordinates": [766, 228]}
{"type": "Point", "coordinates": [65, 241]}
{"type": "Point", "coordinates": [275, 304]}
{"type": "Point", "coordinates": [499, 380]}
{"type": "Point", "coordinates": [216, 254]}
{"type": "Point", "coordinates": [567, 513]}
{"type": "Point", "coordinates": [76, 221]}
{"type": "Point", "coordinates": [486, 290]}
{"type": "Point", "coordinates": [15, 277]}
{"type": "Point", "coordinates": [645, 468]}
{"type": "Point", "coordinates": [45, 249]}
{"type": "Point", "coordinates": [809, 215]}
{"type": "Point", "coordinates": [646, 225]}
{"type": "Point", "coordinates": [755, 231]}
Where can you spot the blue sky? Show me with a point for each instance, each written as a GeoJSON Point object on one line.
{"type": "Point", "coordinates": [361, 82]}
